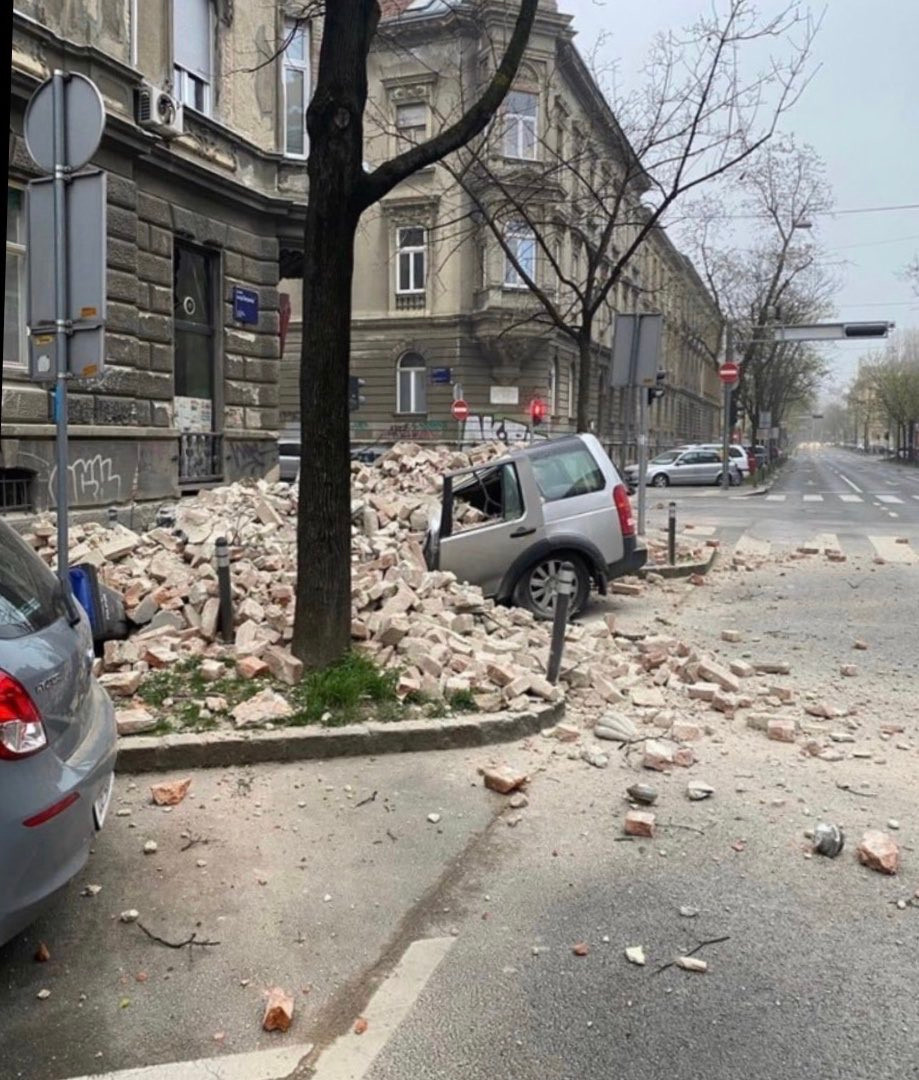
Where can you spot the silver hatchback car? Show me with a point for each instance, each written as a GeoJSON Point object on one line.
{"type": "Point", "coordinates": [508, 525]}
{"type": "Point", "coordinates": [57, 738]}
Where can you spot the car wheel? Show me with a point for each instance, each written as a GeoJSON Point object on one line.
{"type": "Point", "coordinates": [660, 480]}
{"type": "Point", "coordinates": [537, 587]}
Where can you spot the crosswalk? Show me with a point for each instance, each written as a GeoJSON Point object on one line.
{"type": "Point", "coordinates": [739, 541]}
{"type": "Point", "coordinates": [842, 496]}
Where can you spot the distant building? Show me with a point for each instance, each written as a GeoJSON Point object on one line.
{"type": "Point", "coordinates": [439, 308]}
{"type": "Point", "coordinates": [203, 201]}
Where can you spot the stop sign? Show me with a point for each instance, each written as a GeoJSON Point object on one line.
{"type": "Point", "coordinates": [729, 373]}
{"type": "Point", "coordinates": [460, 409]}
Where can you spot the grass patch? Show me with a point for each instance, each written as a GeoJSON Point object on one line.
{"type": "Point", "coordinates": [462, 701]}
{"type": "Point", "coordinates": [346, 690]}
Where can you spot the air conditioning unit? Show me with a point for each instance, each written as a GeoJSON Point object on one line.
{"type": "Point", "coordinates": [158, 111]}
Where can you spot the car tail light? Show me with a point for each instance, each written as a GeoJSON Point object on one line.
{"type": "Point", "coordinates": [624, 509]}
{"type": "Point", "coordinates": [21, 730]}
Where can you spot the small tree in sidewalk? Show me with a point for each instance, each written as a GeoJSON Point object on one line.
{"type": "Point", "coordinates": [340, 190]}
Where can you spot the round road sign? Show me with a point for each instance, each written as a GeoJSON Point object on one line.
{"type": "Point", "coordinates": [729, 373]}
{"type": "Point", "coordinates": [460, 409]}
{"type": "Point", "coordinates": [84, 119]}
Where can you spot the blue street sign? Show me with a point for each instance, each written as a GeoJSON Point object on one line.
{"type": "Point", "coordinates": [441, 375]}
{"type": "Point", "coordinates": [245, 305]}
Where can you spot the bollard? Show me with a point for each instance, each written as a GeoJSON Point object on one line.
{"type": "Point", "coordinates": [671, 533]}
{"type": "Point", "coordinates": [224, 592]}
{"type": "Point", "coordinates": [112, 514]}
{"type": "Point", "coordinates": [563, 593]}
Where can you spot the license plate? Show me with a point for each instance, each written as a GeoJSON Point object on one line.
{"type": "Point", "coordinates": [100, 806]}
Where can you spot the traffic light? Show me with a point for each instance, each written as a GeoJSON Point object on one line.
{"type": "Point", "coordinates": [355, 398]}
{"type": "Point", "coordinates": [538, 411]}
{"type": "Point", "coordinates": [657, 390]}
{"type": "Point", "coordinates": [734, 411]}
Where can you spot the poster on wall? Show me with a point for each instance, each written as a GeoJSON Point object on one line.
{"type": "Point", "coordinates": [194, 414]}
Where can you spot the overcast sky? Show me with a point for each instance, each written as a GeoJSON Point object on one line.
{"type": "Point", "coordinates": [860, 113]}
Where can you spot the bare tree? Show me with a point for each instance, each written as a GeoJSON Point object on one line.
{"type": "Point", "coordinates": [340, 190]}
{"type": "Point", "coordinates": [699, 116]}
{"type": "Point", "coordinates": [893, 376]}
{"type": "Point", "coordinates": [774, 275]}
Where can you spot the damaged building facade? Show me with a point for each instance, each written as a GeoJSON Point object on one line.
{"type": "Point", "coordinates": [204, 149]}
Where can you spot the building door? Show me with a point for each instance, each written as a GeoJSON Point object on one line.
{"type": "Point", "coordinates": [200, 458]}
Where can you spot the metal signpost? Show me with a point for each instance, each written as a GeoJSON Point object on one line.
{"type": "Point", "coordinates": [729, 373]}
{"type": "Point", "coordinates": [63, 127]}
{"type": "Point", "coordinates": [636, 360]}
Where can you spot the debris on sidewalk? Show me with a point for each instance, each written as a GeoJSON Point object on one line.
{"type": "Point", "coordinates": [503, 779]}
{"type": "Point", "coordinates": [42, 953]}
{"type": "Point", "coordinates": [642, 793]}
{"type": "Point", "coordinates": [639, 823]}
{"type": "Point", "coordinates": [692, 963]}
{"type": "Point", "coordinates": [170, 792]}
{"type": "Point", "coordinates": [279, 1010]}
{"type": "Point", "coordinates": [878, 851]}
{"type": "Point", "coordinates": [635, 954]}
{"type": "Point", "coordinates": [581, 949]}
{"type": "Point", "coordinates": [360, 1026]}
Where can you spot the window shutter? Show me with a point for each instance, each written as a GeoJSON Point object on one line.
{"type": "Point", "coordinates": [191, 36]}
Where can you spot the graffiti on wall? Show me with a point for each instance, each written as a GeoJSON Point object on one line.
{"type": "Point", "coordinates": [250, 459]}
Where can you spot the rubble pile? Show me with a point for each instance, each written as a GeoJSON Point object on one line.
{"type": "Point", "coordinates": [444, 636]}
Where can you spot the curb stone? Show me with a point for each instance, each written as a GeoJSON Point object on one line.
{"type": "Point", "coordinates": [679, 570]}
{"type": "Point", "coordinates": [205, 750]}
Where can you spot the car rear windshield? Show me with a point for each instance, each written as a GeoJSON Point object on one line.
{"type": "Point", "coordinates": [30, 597]}
{"type": "Point", "coordinates": [566, 471]}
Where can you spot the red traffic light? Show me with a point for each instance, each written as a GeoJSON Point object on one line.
{"type": "Point", "coordinates": [539, 410]}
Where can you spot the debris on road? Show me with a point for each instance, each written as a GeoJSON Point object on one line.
{"type": "Point", "coordinates": [503, 779]}
{"type": "Point", "coordinates": [92, 890]}
{"type": "Point", "coordinates": [639, 823]}
{"type": "Point", "coordinates": [360, 1026]}
{"type": "Point", "coordinates": [642, 793]}
{"type": "Point", "coordinates": [696, 791]}
{"type": "Point", "coordinates": [434, 820]}
{"type": "Point", "coordinates": [828, 839]}
{"type": "Point", "coordinates": [43, 994]}
{"type": "Point", "coordinates": [692, 963]}
{"type": "Point", "coordinates": [878, 851]}
{"type": "Point", "coordinates": [130, 915]}
{"type": "Point", "coordinates": [170, 792]}
{"type": "Point", "coordinates": [150, 847]}
{"type": "Point", "coordinates": [42, 953]}
{"type": "Point", "coordinates": [279, 1010]}
{"type": "Point", "coordinates": [635, 954]}
{"type": "Point", "coordinates": [581, 949]}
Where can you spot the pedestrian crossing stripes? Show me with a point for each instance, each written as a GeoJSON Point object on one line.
{"type": "Point", "coordinates": [842, 496]}
{"type": "Point", "coordinates": [892, 549]}
{"type": "Point", "coordinates": [888, 499]}
{"type": "Point", "coordinates": [850, 498]}
{"type": "Point", "coordinates": [813, 498]}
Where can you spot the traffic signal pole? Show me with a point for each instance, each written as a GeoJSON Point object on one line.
{"type": "Point", "coordinates": [728, 390]}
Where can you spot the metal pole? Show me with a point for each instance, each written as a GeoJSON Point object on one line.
{"type": "Point", "coordinates": [642, 456]}
{"type": "Point", "coordinates": [726, 435]}
{"type": "Point", "coordinates": [224, 590]}
{"type": "Point", "coordinates": [564, 589]}
{"type": "Point", "coordinates": [671, 533]}
{"type": "Point", "coordinates": [630, 389]}
{"type": "Point", "coordinates": [61, 331]}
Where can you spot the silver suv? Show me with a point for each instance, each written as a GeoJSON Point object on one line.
{"type": "Point", "coordinates": [510, 524]}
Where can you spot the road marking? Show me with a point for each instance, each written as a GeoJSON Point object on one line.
{"type": "Point", "coordinates": [781, 498]}
{"type": "Point", "coordinates": [813, 498]}
{"type": "Point", "coordinates": [889, 550]}
{"type": "Point", "coordinates": [889, 499]}
{"type": "Point", "coordinates": [749, 545]}
{"type": "Point", "coordinates": [350, 1057]}
{"type": "Point", "coordinates": [916, 497]}
{"type": "Point", "coordinates": [826, 542]}
{"type": "Point", "coordinates": [257, 1065]}
{"type": "Point", "coordinates": [849, 482]}
{"type": "Point", "coordinates": [846, 497]}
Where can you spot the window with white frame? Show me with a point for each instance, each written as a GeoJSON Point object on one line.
{"type": "Point", "coordinates": [553, 388]}
{"type": "Point", "coordinates": [411, 384]}
{"type": "Point", "coordinates": [521, 118]}
{"type": "Point", "coordinates": [14, 319]}
{"type": "Point", "coordinates": [572, 388]}
{"type": "Point", "coordinates": [192, 53]}
{"type": "Point", "coordinates": [411, 259]}
{"type": "Point", "coordinates": [296, 86]}
{"type": "Point", "coordinates": [411, 123]}
{"type": "Point", "coordinates": [521, 240]}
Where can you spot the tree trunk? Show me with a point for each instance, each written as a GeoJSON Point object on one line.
{"type": "Point", "coordinates": [322, 628]}
{"type": "Point", "coordinates": [585, 369]}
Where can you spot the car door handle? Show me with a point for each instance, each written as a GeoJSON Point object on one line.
{"type": "Point", "coordinates": [522, 532]}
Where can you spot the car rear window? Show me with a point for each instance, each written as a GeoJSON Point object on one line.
{"type": "Point", "coordinates": [289, 449]}
{"type": "Point", "coordinates": [565, 472]}
{"type": "Point", "coordinates": [30, 597]}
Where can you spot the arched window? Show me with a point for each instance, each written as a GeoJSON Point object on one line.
{"type": "Point", "coordinates": [411, 384]}
{"type": "Point", "coordinates": [553, 388]}
{"type": "Point", "coordinates": [572, 391]}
